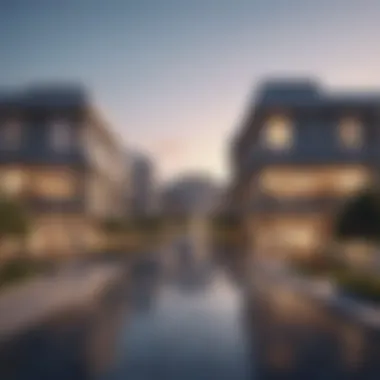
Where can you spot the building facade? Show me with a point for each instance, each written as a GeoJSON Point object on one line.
{"type": "Point", "coordinates": [300, 154]}
{"type": "Point", "coordinates": [144, 194]}
{"type": "Point", "coordinates": [60, 159]}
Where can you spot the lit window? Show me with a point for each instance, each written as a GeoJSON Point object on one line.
{"type": "Point", "coordinates": [12, 181]}
{"type": "Point", "coordinates": [61, 137]}
{"type": "Point", "coordinates": [350, 133]}
{"type": "Point", "coordinates": [38, 238]}
{"type": "Point", "coordinates": [54, 185]}
{"type": "Point", "coordinates": [278, 133]}
{"type": "Point", "coordinates": [300, 235]}
{"type": "Point", "coordinates": [349, 181]}
{"type": "Point", "coordinates": [11, 135]}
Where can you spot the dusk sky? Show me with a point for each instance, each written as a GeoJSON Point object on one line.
{"type": "Point", "coordinates": [173, 77]}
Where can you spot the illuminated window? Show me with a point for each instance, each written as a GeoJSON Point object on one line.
{"type": "Point", "coordinates": [54, 185]}
{"type": "Point", "coordinates": [350, 133]}
{"type": "Point", "coordinates": [349, 180]}
{"type": "Point", "coordinates": [11, 135]}
{"type": "Point", "coordinates": [293, 183]}
{"type": "Point", "coordinates": [302, 233]}
{"type": "Point", "coordinates": [38, 238]}
{"type": "Point", "coordinates": [54, 234]}
{"type": "Point", "coordinates": [12, 181]}
{"type": "Point", "coordinates": [278, 133]}
{"type": "Point", "coordinates": [301, 236]}
{"type": "Point", "coordinates": [61, 136]}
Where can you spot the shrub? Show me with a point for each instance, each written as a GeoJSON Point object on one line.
{"type": "Point", "coordinates": [360, 218]}
{"type": "Point", "coordinates": [17, 269]}
{"type": "Point", "coordinates": [359, 286]}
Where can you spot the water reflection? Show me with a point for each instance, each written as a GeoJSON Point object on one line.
{"type": "Point", "coordinates": [193, 330]}
{"type": "Point", "coordinates": [300, 338]}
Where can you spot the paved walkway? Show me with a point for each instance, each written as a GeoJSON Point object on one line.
{"type": "Point", "coordinates": [325, 291]}
{"type": "Point", "coordinates": [304, 331]}
{"type": "Point", "coordinates": [27, 304]}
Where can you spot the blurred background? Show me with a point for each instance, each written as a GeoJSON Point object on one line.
{"type": "Point", "coordinates": [189, 189]}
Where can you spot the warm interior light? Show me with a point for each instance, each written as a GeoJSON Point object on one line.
{"type": "Point", "coordinates": [278, 133]}
{"type": "Point", "coordinates": [292, 183]}
{"type": "Point", "coordinates": [59, 185]}
{"type": "Point", "coordinates": [12, 181]}
{"type": "Point", "coordinates": [350, 132]}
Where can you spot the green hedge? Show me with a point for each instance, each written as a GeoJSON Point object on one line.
{"type": "Point", "coordinates": [18, 269]}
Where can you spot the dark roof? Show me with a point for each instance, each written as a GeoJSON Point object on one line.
{"type": "Point", "coordinates": [50, 95]}
{"type": "Point", "coordinates": [298, 93]}
{"type": "Point", "coordinates": [55, 95]}
{"type": "Point", "coordinates": [304, 92]}
{"type": "Point", "coordinates": [288, 90]}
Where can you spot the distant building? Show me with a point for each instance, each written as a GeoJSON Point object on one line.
{"type": "Point", "coordinates": [191, 194]}
{"type": "Point", "coordinates": [144, 195]}
{"type": "Point", "coordinates": [127, 210]}
{"type": "Point", "coordinates": [298, 156]}
{"type": "Point", "coordinates": [60, 158]}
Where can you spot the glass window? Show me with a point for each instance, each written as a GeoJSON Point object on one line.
{"type": "Point", "coordinates": [54, 185]}
{"type": "Point", "coordinates": [301, 235]}
{"type": "Point", "coordinates": [11, 135]}
{"type": "Point", "coordinates": [38, 238]}
{"type": "Point", "coordinates": [278, 133]}
{"type": "Point", "coordinates": [296, 183]}
{"type": "Point", "coordinates": [350, 133]}
{"type": "Point", "coordinates": [61, 136]}
{"type": "Point", "coordinates": [349, 181]}
{"type": "Point", "coordinates": [12, 181]}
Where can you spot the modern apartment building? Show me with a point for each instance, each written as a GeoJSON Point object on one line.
{"type": "Point", "coordinates": [59, 157]}
{"type": "Point", "coordinates": [300, 153]}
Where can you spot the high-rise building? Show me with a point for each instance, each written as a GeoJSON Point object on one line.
{"type": "Point", "coordinates": [59, 157]}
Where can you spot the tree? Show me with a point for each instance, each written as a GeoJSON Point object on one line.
{"type": "Point", "coordinates": [13, 219]}
{"type": "Point", "coordinates": [360, 218]}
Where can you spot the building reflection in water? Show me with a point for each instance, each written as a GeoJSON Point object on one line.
{"type": "Point", "coordinates": [186, 335]}
{"type": "Point", "coordinates": [297, 336]}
